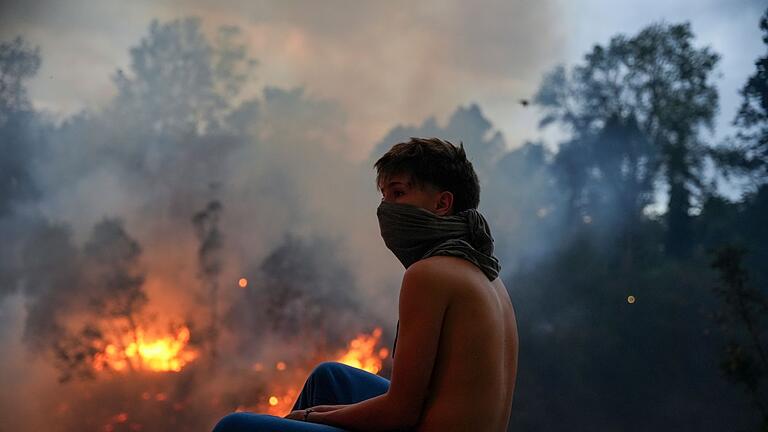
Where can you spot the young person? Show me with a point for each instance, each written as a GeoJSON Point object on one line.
{"type": "Point", "coordinates": [455, 354]}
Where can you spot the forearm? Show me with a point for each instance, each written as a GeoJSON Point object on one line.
{"type": "Point", "coordinates": [326, 408]}
{"type": "Point", "coordinates": [375, 414]}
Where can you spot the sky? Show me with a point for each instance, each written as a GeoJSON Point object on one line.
{"type": "Point", "coordinates": [386, 63]}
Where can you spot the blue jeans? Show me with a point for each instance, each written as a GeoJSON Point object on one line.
{"type": "Point", "coordinates": [329, 384]}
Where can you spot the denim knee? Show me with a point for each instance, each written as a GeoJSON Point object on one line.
{"type": "Point", "coordinates": [327, 368]}
{"type": "Point", "coordinates": [236, 422]}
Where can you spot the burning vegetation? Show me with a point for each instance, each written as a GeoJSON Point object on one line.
{"type": "Point", "coordinates": [138, 352]}
{"type": "Point", "coordinates": [128, 363]}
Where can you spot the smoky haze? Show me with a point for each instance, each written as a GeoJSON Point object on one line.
{"type": "Point", "coordinates": [194, 168]}
{"type": "Point", "coordinates": [145, 211]}
{"type": "Point", "coordinates": [380, 61]}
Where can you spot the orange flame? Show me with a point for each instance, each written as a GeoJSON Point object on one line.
{"type": "Point", "coordinates": [166, 354]}
{"type": "Point", "coordinates": [361, 352]}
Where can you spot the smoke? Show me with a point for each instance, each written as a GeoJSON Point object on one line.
{"type": "Point", "coordinates": [384, 63]}
{"type": "Point", "coordinates": [149, 208]}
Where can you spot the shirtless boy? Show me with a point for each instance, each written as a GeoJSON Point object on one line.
{"type": "Point", "coordinates": [455, 358]}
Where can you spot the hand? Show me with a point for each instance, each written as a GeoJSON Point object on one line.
{"type": "Point", "coordinates": [299, 414]}
{"type": "Point", "coordinates": [296, 415]}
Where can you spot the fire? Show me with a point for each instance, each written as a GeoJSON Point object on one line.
{"type": "Point", "coordinates": [361, 352]}
{"type": "Point", "coordinates": [165, 354]}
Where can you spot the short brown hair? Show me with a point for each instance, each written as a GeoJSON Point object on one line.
{"type": "Point", "coordinates": [435, 162]}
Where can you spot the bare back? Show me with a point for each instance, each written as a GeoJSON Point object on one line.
{"type": "Point", "coordinates": [473, 379]}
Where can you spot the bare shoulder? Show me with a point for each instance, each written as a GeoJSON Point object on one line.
{"type": "Point", "coordinates": [448, 269]}
{"type": "Point", "coordinates": [442, 275]}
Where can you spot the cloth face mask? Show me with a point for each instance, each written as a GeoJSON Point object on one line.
{"type": "Point", "coordinates": [413, 233]}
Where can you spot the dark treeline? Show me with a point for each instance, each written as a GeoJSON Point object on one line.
{"type": "Point", "coordinates": [639, 286]}
{"type": "Point", "coordinates": [646, 319]}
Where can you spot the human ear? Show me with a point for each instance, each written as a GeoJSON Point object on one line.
{"type": "Point", "coordinates": [444, 203]}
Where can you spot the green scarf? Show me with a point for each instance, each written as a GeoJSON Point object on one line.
{"type": "Point", "coordinates": [413, 233]}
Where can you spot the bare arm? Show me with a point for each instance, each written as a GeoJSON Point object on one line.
{"type": "Point", "coordinates": [423, 302]}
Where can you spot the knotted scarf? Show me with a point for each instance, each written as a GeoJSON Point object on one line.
{"type": "Point", "coordinates": [413, 233]}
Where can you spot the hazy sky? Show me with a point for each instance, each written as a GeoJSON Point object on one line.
{"type": "Point", "coordinates": [385, 62]}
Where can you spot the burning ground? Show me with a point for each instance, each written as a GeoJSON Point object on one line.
{"type": "Point", "coordinates": [102, 354]}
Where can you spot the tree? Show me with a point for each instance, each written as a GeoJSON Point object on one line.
{"type": "Point", "coordinates": [467, 124]}
{"type": "Point", "coordinates": [525, 205]}
{"type": "Point", "coordinates": [206, 224]}
{"type": "Point", "coordinates": [179, 82]}
{"type": "Point", "coordinates": [607, 173]}
{"type": "Point", "coordinates": [293, 289]}
{"type": "Point", "coordinates": [658, 80]}
{"type": "Point", "coordinates": [749, 154]}
{"type": "Point", "coordinates": [111, 263]}
{"type": "Point", "coordinates": [742, 317]}
{"type": "Point", "coordinates": [18, 63]}
{"type": "Point", "coordinates": [112, 283]}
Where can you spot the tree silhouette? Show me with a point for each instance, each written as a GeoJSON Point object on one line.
{"type": "Point", "coordinates": [657, 79]}
{"type": "Point", "coordinates": [206, 224]}
{"type": "Point", "coordinates": [179, 82]}
{"type": "Point", "coordinates": [18, 63]}
{"type": "Point", "coordinates": [466, 124]}
{"type": "Point", "coordinates": [742, 318]}
{"type": "Point", "coordinates": [748, 153]}
{"type": "Point", "coordinates": [105, 285]}
{"type": "Point", "coordinates": [19, 128]}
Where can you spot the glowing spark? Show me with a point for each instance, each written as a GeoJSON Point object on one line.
{"type": "Point", "coordinates": [273, 401]}
{"type": "Point", "coordinates": [243, 282]}
{"type": "Point", "coordinates": [631, 299]}
{"type": "Point", "coordinates": [280, 366]}
{"type": "Point", "coordinates": [383, 353]}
